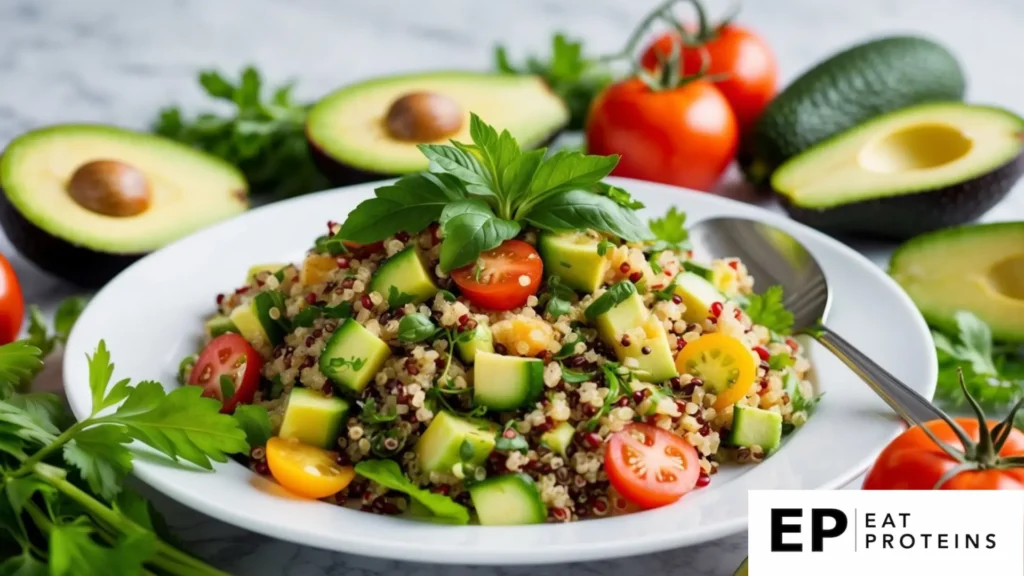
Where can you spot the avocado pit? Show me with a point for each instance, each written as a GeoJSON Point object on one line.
{"type": "Point", "coordinates": [110, 188]}
{"type": "Point", "coordinates": [1007, 277]}
{"type": "Point", "coordinates": [916, 147]}
{"type": "Point", "coordinates": [423, 117]}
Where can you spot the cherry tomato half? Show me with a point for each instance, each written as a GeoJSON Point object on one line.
{"type": "Point", "coordinates": [502, 278]}
{"type": "Point", "coordinates": [684, 136]}
{"type": "Point", "coordinates": [914, 462]}
{"type": "Point", "coordinates": [12, 304]}
{"type": "Point", "coordinates": [306, 470]}
{"type": "Point", "coordinates": [724, 363]}
{"type": "Point", "coordinates": [228, 369]}
{"type": "Point", "coordinates": [649, 466]}
{"type": "Point", "coordinates": [741, 56]}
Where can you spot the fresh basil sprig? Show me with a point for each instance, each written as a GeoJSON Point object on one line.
{"type": "Point", "coordinates": [482, 194]}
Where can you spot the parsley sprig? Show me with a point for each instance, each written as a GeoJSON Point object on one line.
{"type": "Point", "coordinates": [485, 192]}
{"type": "Point", "coordinates": [768, 310]}
{"type": "Point", "coordinates": [63, 509]}
{"type": "Point", "coordinates": [993, 375]}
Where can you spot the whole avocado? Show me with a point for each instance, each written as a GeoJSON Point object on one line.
{"type": "Point", "coordinates": [846, 90]}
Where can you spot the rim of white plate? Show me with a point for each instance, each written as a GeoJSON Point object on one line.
{"type": "Point", "coordinates": [232, 494]}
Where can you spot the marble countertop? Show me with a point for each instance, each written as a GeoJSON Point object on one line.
{"type": "Point", "coordinates": [116, 61]}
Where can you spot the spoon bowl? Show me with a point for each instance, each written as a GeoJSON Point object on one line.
{"type": "Point", "coordinates": [773, 257]}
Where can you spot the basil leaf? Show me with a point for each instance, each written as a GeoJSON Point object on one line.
{"type": "Point", "coordinates": [557, 307]}
{"type": "Point", "coordinates": [387, 474]}
{"type": "Point", "coordinates": [575, 377]}
{"type": "Point", "coordinates": [612, 297]}
{"type": "Point", "coordinates": [578, 210]}
{"type": "Point", "coordinates": [339, 312]}
{"type": "Point", "coordinates": [604, 246]}
{"type": "Point", "coordinates": [498, 151]}
{"type": "Point", "coordinates": [467, 206]}
{"type": "Point", "coordinates": [516, 178]}
{"type": "Point", "coordinates": [469, 234]}
{"type": "Point", "coordinates": [397, 298]}
{"type": "Point", "coordinates": [372, 415]}
{"type": "Point", "coordinates": [415, 328]}
{"type": "Point", "coordinates": [567, 170]}
{"type": "Point", "coordinates": [255, 421]}
{"type": "Point", "coordinates": [459, 163]}
{"type": "Point", "coordinates": [620, 195]}
{"type": "Point", "coordinates": [410, 204]}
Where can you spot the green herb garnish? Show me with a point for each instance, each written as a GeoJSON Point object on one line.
{"type": "Point", "coordinates": [670, 231]}
{"type": "Point", "coordinates": [397, 298]}
{"type": "Point", "coordinates": [227, 387]}
{"type": "Point", "coordinates": [255, 421]}
{"type": "Point", "coordinates": [508, 439]}
{"type": "Point", "coordinates": [604, 246]}
{"type": "Point", "coordinates": [339, 312]}
{"type": "Point", "coordinates": [575, 377]}
{"type": "Point", "coordinates": [416, 328]}
{"type": "Point", "coordinates": [483, 193]}
{"type": "Point", "coordinates": [780, 361]}
{"type": "Point", "coordinates": [387, 474]}
{"type": "Point", "coordinates": [557, 298]}
{"type": "Point", "coordinates": [768, 310]}
{"type": "Point", "coordinates": [371, 414]}
{"type": "Point", "coordinates": [615, 295]}
{"type": "Point", "coordinates": [698, 269]}
{"type": "Point", "coordinates": [994, 378]}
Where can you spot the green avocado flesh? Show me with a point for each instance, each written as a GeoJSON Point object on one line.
{"type": "Point", "coordinates": [977, 268]}
{"type": "Point", "coordinates": [438, 449]}
{"type": "Point", "coordinates": [406, 273]}
{"type": "Point", "coordinates": [190, 189]}
{"type": "Point", "coordinates": [919, 149]}
{"type": "Point", "coordinates": [631, 318]}
{"type": "Point", "coordinates": [312, 418]}
{"type": "Point", "coordinates": [573, 257]}
{"type": "Point", "coordinates": [349, 125]}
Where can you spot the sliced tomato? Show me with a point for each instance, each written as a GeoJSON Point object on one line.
{"type": "Point", "coordinates": [306, 470]}
{"type": "Point", "coordinates": [12, 303]}
{"type": "Point", "coordinates": [502, 278]}
{"type": "Point", "coordinates": [649, 466]}
{"type": "Point", "coordinates": [724, 363]}
{"type": "Point", "coordinates": [228, 369]}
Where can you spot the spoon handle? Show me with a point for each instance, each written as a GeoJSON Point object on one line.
{"type": "Point", "coordinates": [911, 406]}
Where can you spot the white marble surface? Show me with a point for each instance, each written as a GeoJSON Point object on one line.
{"type": "Point", "coordinates": [118, 61]}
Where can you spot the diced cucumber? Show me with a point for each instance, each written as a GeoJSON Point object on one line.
{"type": "Point", "coordinates": [698, 269]}
{"type": "Point", "coordinates": [312, 418]}
{"type": "Point", "coordinates": [254, 271]}
{"type": "Point", "coordinates": [479, 340]}
{"type": "Point", "coordinates": [440, 446]}
{"type": "Point", "coordinates": [218, 325]}
{"type": "Point", "coordinates": [406, 273]}
{"type": "Point", "coordinates": [559, 438]}
{"type": "Point", "coordinates": [698, 295]}
{"type": "Point", "coordinates": [353, 356]}
{"type": "Point", "coordinates": [508, 500]}
{"type": "Point", "coordinates": [631, 322]}
{"type": "Point", "coordinates": [507, 382]}
{"type": "Point", "coordinates": [756, 427]}
{"type": "Point", "coordinates": [573, 257]}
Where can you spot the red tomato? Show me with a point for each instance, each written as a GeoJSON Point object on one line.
{"type": "Point", "coordinates": [12, 304]}
{"type": "Point", "coordinates": [363, 250]}
{"type": "Point", "coordinates": [228, 361]}
{"type": "Point", "coordinates": [684, 136]}
{"type": "Point", "coordinates": [741, 56]}
{"type": "Point", "coordinates": [649, 466]}
{"type": "Point", "coordinates": [914, 462]}
{"type": "Point", "coordinates": [502, 278]}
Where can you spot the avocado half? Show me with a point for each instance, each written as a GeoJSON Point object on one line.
{"type": "Point", "coordinates": [905, 173]}
{"type": "Point", "coordinates": [977, 268]}
{"type": "Point", "coordinates": [84, 201]}
{"type": "Point", "coordinates": [371, 130]}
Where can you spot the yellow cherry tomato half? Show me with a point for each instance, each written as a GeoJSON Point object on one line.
{"type": "Point", "coordinates": [724, 364]}
{"type": "Point", "coordinates": [306, 470]}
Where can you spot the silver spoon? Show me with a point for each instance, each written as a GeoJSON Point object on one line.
{"type": "Point", "coordinates": [774, 257]}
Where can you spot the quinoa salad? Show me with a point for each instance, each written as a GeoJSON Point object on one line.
{"type": "Point", "coordinates": [557, 375]}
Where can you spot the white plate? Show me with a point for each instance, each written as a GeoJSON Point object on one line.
{"type": "Point", "coordinates": [151, 316]}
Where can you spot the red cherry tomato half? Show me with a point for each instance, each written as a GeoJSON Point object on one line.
{"type": "Point", "coordinates": [228, 369]}
{"type": "Point", "coordinates": [12, 304]}
{"type": "Point", "coordinates": [743, 59]}
{"type": "Point", "coordinates": [650, 467]}
{"type": "Point", "coordinates": [502, 278]}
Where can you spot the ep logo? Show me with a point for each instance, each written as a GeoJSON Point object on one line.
{"type": "Point", "coordinates": [823, 523]}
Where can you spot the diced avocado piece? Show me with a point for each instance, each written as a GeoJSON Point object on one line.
{"type": "Point", "coordinates": [508, 500]}
{"type": "Point", "coordinates": [254, 271]}
{"type": "Point", "coordinates": [247, 322]}
{"type": "Point", "coordinates": [756, 427]}
{"type": "Point", "coordinates": [218, 325]}
{"type": "Point", "coordinates": [573, 257]}
{"type": "Point", "coordinates": [312, 418]}
{"type": "Point", "coordinates": [507, 382]}
{"type": "Point", "coordinates": [698, 295]}
{"type": "Point", "coordinates": [353, 356]}
{"type": "Point", "coordinates": [559, 438]}
{"type": "Point", "coordinates": [262, 303]}
{"type": "Point", "coordinates": [698, 269]}
{"type": "Point", "coordinates": [632, 322]}
{"type": "Point", "coordinates": [440, 446]}
{"type": "Point", "coordinates": [406, 273]}
{"type": "Point", "coordinates": [479, 339]}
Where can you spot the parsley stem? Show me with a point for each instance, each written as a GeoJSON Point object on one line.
{"type": "Point", "coordinates": [30, 463]}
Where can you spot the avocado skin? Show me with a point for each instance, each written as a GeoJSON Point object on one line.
{"type": "Point", "coordinates": [905, 216]}
{"type": "Point", "coordinates": [339, 173]}
{"type": "Point", "coordinates": [76, 264]}
{"type": "Point", "coordinates": [846, 90]}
